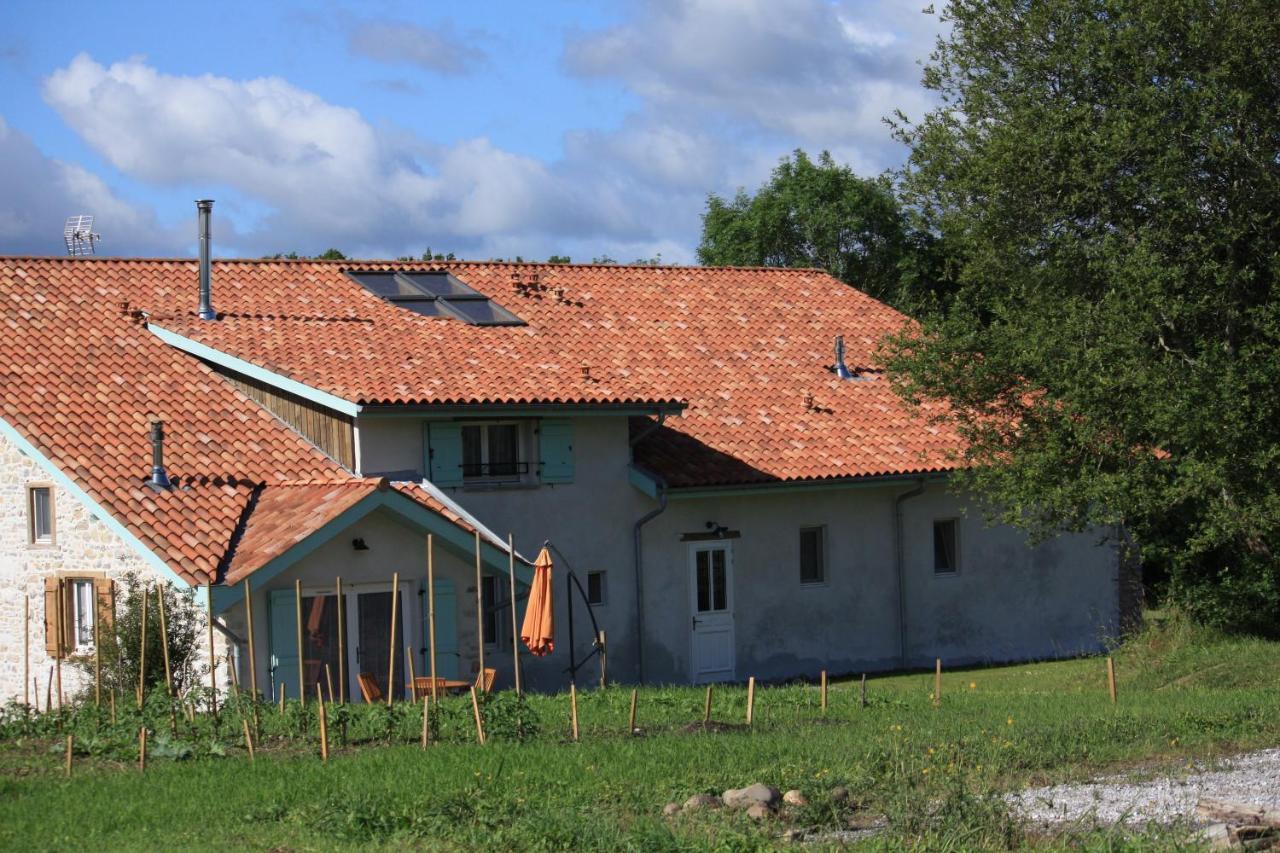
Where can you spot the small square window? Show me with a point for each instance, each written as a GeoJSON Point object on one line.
{"type": "Point", "coordinates": [596, 588]}
{"type": "Point", "coordinates": [493, 453]}
{"type": "Point", "coordinates": [946, 558]}
{"type": "Point", "coordinates": [812, 556]}
{"type": "Point", "coordinates": [40, 514]}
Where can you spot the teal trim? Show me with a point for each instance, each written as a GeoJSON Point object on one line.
{"type": "Point", "coordinates": [643, 482]}
{"type": "Point", "coordinates": [555, 450]}
{"type": "Point", "coordinates": [444, 453]}
{"type": "Point", "coordinates": [101, 513]}
{"type": "Point", "coordinates": [447, 533]}
{"type": "Point", "coordinates": [253, 371]}
{"type": "Point", "coordinates": [282, 640]}
{"type": "Point", "coordinates": [448, 657]}
{"type": "Point", "coordinates": [487, 410]}
{"type": "Point", "coordinates": [806, 486]}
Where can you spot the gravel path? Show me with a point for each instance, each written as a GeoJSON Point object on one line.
{"type": "Point", "coordinates": [1253, 777]}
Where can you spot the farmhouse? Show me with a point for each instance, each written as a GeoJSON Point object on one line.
{"type": "Point", "coordinates": [732, 497]}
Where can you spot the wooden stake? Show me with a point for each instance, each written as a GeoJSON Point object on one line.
{"type": "Point", "coordinates": [573, 709]}
{"type": "Point", "coordinates": [824, 692]}
{"type": "Point", "coordinates": [1111, 678]}
{"type": "Point", "coordinates": [35, 682]}
{"type": "Point", "coordinates": [515, 628]}
{"type": "Point", "coordinates": [324, 726]}
{"type": "Point", "coordinates": [71, 740]}
{"type": "Point", "coordinates": [248, 737]}
{"type": "Point", "coordinates": [284, 688]}
{"type": "Point", "coordinates": [48, 693]}
{"type": "Point", "coordinates": [631, 718]}
{"type": "Point", "coordinates": [213, 658]}
{"type": "Point", "coordinates": [395, 611]}
{"type": "Point", "coordinates": [864, 690]}
{"type": "Point", "coordinates": [604, 661]}
{"type": "Point", "coordinates": [475, 708]}
{"type": "Point", "coordinates": [413, 684]}
{"type": "Point", "coordinates": [111, 695]}
{"type": "Point", "coordinates": [142, 650]}
{"type": "Point", "coordinates": [342, 645]}
{"type": "Point", "coordinates": [937, 683]}
{"type": "Point", "coordinates": [706, 708]}
{"type": "Point", "coordinates": [751, 699]}
{"type": "Point", "coordinates": [142, 750]}
{"type": "Point", "coordinates": [26, 653]}
{"type": "Point", "coordinates": [328, 677]}
{"type": "Point", "coordinates": [431, 612]}
{"type": "Point", "coordinates": [302, 669]}
{"type": "Point", "coordinates": [97, 653]}
{"type": "Point", "coordinates": [479, 611]}
{"type": "Point", "coordinates": [164, 640]}
{"type": "Point", "coordinates": [253, 659]}
{"type": "Point", "coordinates": [426, 720]}
{"type": "Point", "coordinates": [62, 633]}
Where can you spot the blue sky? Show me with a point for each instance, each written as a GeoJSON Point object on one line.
{"type": "Point", "coordinates": [486, 129]}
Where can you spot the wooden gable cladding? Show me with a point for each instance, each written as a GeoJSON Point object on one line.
{"type": "Point", "coordinates": [331, 431]}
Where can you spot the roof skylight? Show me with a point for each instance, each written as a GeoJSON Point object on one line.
{"type": "Point", "coordinates": [436, 294]}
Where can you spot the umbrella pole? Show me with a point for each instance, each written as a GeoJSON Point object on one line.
{"type": "Point", "coordinates": [515, 630]}
{"type": "Point", "coordinates": [479, 614]}
{"type": "Point", "coordinates": [431, 612]}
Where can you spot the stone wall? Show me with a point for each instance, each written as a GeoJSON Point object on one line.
{"type": "Point", "coordinates": [83, 546]}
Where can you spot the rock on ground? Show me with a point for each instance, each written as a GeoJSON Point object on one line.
{"type": "Point", "coordinates": [759, 811]}
{"type": "Point", "coordinates": [701, 801]}
{"type": "Point", "coordinates": [742, 798]}
{"type": "Point", "coordinates": [794, 798]}
{"type": "Point", "coordinates": [1252, 778]}
{"type": "Point", "coordinates": [670, 809]}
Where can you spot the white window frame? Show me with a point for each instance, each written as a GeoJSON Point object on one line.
{"type": "Point", "coordinates": [34, 539]}
{"type": "Point", "coordinates": [604, 588]}
{"type": "Point", "coordinates": [822, 555]}
{"type": "Point", "coordinates": [933, 531]}
{"type": "Point", "coordinates": [523, 431]}
{"type": "Point", "coordinates": [81, 619]}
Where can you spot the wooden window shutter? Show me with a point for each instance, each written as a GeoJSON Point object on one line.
{"type": "Point", "coordinates": [444, 454]}
{"type": "Point", "coordinates": [51, 617]}
{"type": "Point", "coordinates": [555, 447]}
{"type": "Point", "coordinates": [105, 593]}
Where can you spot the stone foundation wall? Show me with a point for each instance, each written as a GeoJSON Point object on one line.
{"type": "Point", "coordinates": [83, 546]}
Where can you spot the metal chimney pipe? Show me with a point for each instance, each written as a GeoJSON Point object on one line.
{"type": "Point", "coordinates": [159, 479]}
{"type": "Point", "coordinates": [204, 209]}
{"type": "Point", "coordinates": [841, 369]}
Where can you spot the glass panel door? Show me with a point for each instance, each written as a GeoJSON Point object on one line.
{"type": "Point", "coordinates": [320, 643]}
{"type": "Point", "coordinates": [373, 645]}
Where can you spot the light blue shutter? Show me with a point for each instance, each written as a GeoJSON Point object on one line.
{"type": "Point", "coordinates": [446, 630]}
{"type": "Point", "coordinates": [555, 446]}
{"type": "Point", "coordinates": [444, 454]}
{"type": "Point", "coordinates": [282, 639]}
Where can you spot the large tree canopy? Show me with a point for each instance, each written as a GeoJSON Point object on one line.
{"type": "Point", "coordinates": [823, 215]}
{"type": "Point", "coordinates": [1108, 173]}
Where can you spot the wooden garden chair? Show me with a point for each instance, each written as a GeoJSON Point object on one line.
{"type": "Point", "coordinates": [485, 679]}
{"type": "Point", "coordinates": [369, 688]}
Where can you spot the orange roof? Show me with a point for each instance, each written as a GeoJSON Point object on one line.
{"type": "Point", "coordinates": [80, 381]}
{"type": "Point", "coordinates": [746, 350]}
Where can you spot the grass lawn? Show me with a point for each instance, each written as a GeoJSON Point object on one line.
{"type": "Point", "coordinates": [935, 773]}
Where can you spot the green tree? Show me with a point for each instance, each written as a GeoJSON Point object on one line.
{"type": "Point", "coordinates": [820, 214]}
{"type": "Point", "coordinates": [1107, 173]}
{"type": "Point", "coordinates": [331, 255]}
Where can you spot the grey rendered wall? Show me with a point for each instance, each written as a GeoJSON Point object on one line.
{"type": "Point", "coordinates": [1008, 602]}
{"type": "Point", "coordinates": [589, 520]}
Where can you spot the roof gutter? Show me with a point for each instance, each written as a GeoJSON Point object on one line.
{"type": "Point", "coordinates": [898, 560]}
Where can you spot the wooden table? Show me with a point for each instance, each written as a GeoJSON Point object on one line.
{"type": "Point", "coordinates": [422, 685]}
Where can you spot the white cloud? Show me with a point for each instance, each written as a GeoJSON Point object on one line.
{"type": "Point", "coordinates": [38, 193]}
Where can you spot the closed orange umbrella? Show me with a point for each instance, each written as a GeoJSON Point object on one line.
{"type": "Point", "coordinates": [538, 633]}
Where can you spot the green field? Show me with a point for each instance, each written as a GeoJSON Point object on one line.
{"type": "Point", "coordinates": [935, 774]}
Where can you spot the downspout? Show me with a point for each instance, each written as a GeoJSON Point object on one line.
{"type": "Point", "coordinates": [899, 570]}
{"type": "Point", "coordinates": [638, 544]}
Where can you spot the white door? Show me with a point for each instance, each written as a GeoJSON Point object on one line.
{"type": "Point", "coordinates": [711, 606]}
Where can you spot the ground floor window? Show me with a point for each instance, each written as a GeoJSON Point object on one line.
{"type": "Point", "coordinates": [946, 560]}
{"type": "Point", "coordinates": [595, 588]}
{"type": "Point", "coordinates": [74, 607]}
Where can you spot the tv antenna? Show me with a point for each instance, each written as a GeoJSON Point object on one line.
{"type": "Point", "coordinates": [79, 236]}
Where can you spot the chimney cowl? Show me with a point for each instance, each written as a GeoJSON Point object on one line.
{"type": "Point", "coordinates": [159, 477]}
{"type": "Point", "coordinates": [204, 213]}
{"type": "Point", "coordinates": [841, 368]}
